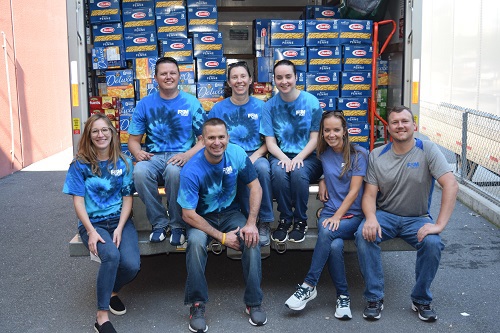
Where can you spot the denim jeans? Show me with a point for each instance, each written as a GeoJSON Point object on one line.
{"type": "Point", "coordinates": [428, 255]}
{"type": "Point", "coordinates": [291, 189]}
{"type": "Point", "coordinates": [266, 213]}
{"type": "Point", "coordinates": [119, 266]}
{"type": "Point", "coordinates": [330, 248]}
{"type": "Point", "coordinates": [196, 260]}
{"type": "Point", "coordinates": [147, 176]}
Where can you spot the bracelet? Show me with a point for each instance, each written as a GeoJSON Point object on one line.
{"type": "Point", "coordinates": [223, 238]}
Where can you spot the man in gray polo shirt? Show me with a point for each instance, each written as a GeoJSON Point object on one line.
{"type": "Point", "coordinates": [396, 202]}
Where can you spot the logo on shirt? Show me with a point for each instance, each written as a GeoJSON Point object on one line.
{"type": "Point", "coordinates": [342, 165]}
{"type": "Point", "coordinates": [300, 113]}
{"type": "Point", "coordinates": [413, 165]}
{"type": "Point", "coordinates": [183, 113]}
{"type": "Point", "coordinates": [116, 172]}
{"type": "Point", "coordinates": [228, 170]}
{"type": "Point", "coordinates": [253, 116]}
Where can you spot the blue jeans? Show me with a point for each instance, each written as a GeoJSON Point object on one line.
{"type": "Point", "coordinates": [196, 260]}
{"type": "Point", "coordinates": [330, 248]}
{"type": "Point", "coordinates": [147, 176]}
{"type": "Point", "coordinates": [266, 213]}
{"type": "Point", "coordinates": [428, 255]}
{"type": "Point", "coordinates": [120, 265]}
{"type": "Point", "coordinates": [291, 189]}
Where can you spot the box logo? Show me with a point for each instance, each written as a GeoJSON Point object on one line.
{"type": "Point", "coordinates": [290, 53]}
{"type": "Point", "coordinates": [329, 13]}
{"type": "Point", "coordinates": [104, 4]}
{"type": "Point", "coordinates": [359, 53]}
{"type": "Point", "coordinates": [139, 15]}
{"type": "Point", "coordinates": [208, 39]}
{"type": "Point", "coordinates": [322, 79]}
{"type": "Point", "coordinates": [171, 20]}
{"type": "Point", "coordinates": [322, 105]}
{"type": "Point", "coordinates": [287, 27]}
{"type": "Point", "coordinates": [107, 30]}
{"type": "Point", "coordinates": [177, 46]}
{"type": "Point", "coordinates": [140, 40]}
{"type": "Point", "coordinates": [354, 130]}
{"type": "Point", "coordinates": [212, 63]}
{"type": "Point", "coordinates": [202, 13]}
{"type": "Point", "coordinates": [325, 53]}
{"type": "Point", "coordinates": [356, 26]}
{"type": "Point", "coordinates": [357, 78]}
{"type": "Point", "coordinates": [353, 105]}
{"type": "Point", "coordinates": [323, 26]}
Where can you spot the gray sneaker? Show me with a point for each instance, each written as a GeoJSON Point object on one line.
{"type": "Point", "coordinates": [264, 231]}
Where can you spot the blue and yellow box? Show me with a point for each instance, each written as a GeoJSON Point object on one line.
{"type": "Point", "coordinates": [355, 84]}
{"type": "Point", "coordinates": [209, 93]}
{"type": "Point", "coordinates": [324, 59]}
{"type": "Point", "coordinates": [358, 132]}
{"type": "Point", "coordinates": [139, 20]}
{"type": "Point", "coordinates": [327, 103]}
{"type": "Point", "coordinates": [287, 33]}
{"type": "Point", "coordinates": [202, 19]}
{"type": "Point", "coordinates": [323, 85]}
{"type": "Point", "coordinates": [297, 55]}
{"type": "Point", "coordinates": [211, 69]}
{"type": "Point", "coordinates": [106, 11]}
{"type": "Point", "coordinates": [138, 4]}
{"type": "Point", "coordinates": [201, 3]}
{"type": "Point", "coordinates": [353, 108]}
{"type": "Point", "coordinates": [207, 44]}
{"type": "Point", "coordinates": [127, 106]}
{"type": "Point", "coordinates": [111, 57]}
{"type": "Point", "coordinates": [140, 45]}
{"type": "Point", "coordinates": [355, 32]}
{"type": "Point", "coordinates": [322, 33]}
{"type": "Point", "coordinates": [172, 24]}
{"type": "Point", "coordinates": [180, 49]}
{"type": "Point", "coordinates": [165, 5]}
{"type": "Point", "coordinates": [107, 34]}
{"type": "Point", "coordinates": [144, 68]}
{"type": "Point", "coordinates": [357, 57]}
{"type": "Point", "coordinates": [144, 87]}
{"type": "Point", "coordinates": [262, 38]}
{"type": "Point", "coordinates": [120, 83]}
{"type": "Point", "coordinates": [321, 12]}
{"type": "Point", "coordinates": [187, 73]}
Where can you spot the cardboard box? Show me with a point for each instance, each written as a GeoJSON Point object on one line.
{"type": "Point", "coordinates": [201, 3]}
{"type": "Point", "coordinates": [322, 33]}
{"type": "Point", "coordinates": [139, 20]}
{"type": "Point", "coordinates": [140, 45]}
{"type": "Point", "coordinates": [188, 88]}
{"type": "Point", "coordinates": [120, 83]}
{"type": "Point", "coordinates": [322, 84]}
{"type": "Point", "coordinates": [138, 4]}
{"type": "Point", "coordinates": [187, 74]}
{"type": "Point", "coordinates": [355, 32]}
{"type": "Point", "coordinates": [321, 12]}
{"type": "Point", "coordinates": [327, 103]}
{"type": "Point", "coordinates": [297, 55]}
{"type": "Point", "coordinates": [287, 33]}
{"type": "Point", "coordinates": [127, 106]}
{"type": "Point", "coordinates": [125, 149]}
{"type": "Point", "coordinates": [162, 6]}
{"type": "Point", "coordinates": [180, 49]}
{"type": "Point", "coordinates": [358, 132]}
{"type": "Point", "coordinates": [355, 84]}
{"type": "Point", "coordinates": [144, 87]}
{"type": "Point", "coordinates": [106, 11]}
{"type": "Point", "coordinates": [324, 59]}
{"type": "Point", "coordinates": [207, 44]}
{"type": "Point", "coordinates": [202, 19]}
{"type": "Point", "coordinates": [107, 34]}
{"type": "Point", "coordinates": [171, 25]}
{"type": "Point", "coordinates": [264, 70]}
{"type": "Point", "coordinates": [262, 90]}
{"type": "Point", "coordinates": [209, 93]}
{"type": "Point", "coordinates": [262, 40]}
{"type": "Point", "coordinates": [382, 73]}
{"type": "Point", "coordinates": [353, 106]}
{"type": "Point", "coordinates": [111, 57]}
{"type": "Point", "coordinates": [211, 69]}
{"type": "Point", "coordinates": [144, 68]}
{"type": "Point", "coordinates": [103, 102]}
{"type": "Point", "coordinates": [357, 57]}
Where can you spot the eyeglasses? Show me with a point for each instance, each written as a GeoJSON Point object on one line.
{"type": "Point", "coordinates": [104, 131]}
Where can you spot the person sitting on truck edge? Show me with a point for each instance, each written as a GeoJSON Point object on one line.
{"type": "Point", "coordinates": [100, 180]}
{"type": "Point", "coordinates": [206, 195]}
{"type": "Point", "coordinates": [242, 113]}
{"type": "Point", "coordinates": [344, 166]}
{"type": "Point", "coordinates": [290, 124]}
{"type": "Point", "coordinates": [172, 121]}
{"type": "Point", "coordinates": [396, 201]}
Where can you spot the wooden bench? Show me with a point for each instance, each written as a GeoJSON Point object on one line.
{"type": "Point", "coordinates": [76, 247]}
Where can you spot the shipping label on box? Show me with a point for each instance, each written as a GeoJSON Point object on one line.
{"type": "Point", "coordinates": [211, 69]}
{"type": "Point", "coordinates": [103, 102]}
{"type": "Point", "coordinates": [209, 93]}
{"type": "Point", "coordinates": [127, 106]}
{"type": "Point", "coordinates": [202, 19]}
{"type": "Point", "coordinates": [207, 44]}
{"type": "Point", "coordinates": [358, 132]}
{"type": "Point", "coordinates": [355, 84]}
{"type": "Point", "coordinates": [324, 59]}
{"type": "Point", "coordinates": [171, 25]}
{"type": "Point", "coordinates": [287, 33]}
{"type": "Point", "coordinates": [355, 32]}
{"type": "Point", "coordinates": [322, 33]}
{"type": "Point", "coordinates": [180, 49]}
{"type": "Point", "coordinates": [120, 83]}
{"type": "Point", "coordinates": [353, 107]}
{"type": "Point", "coordinates": [323, 84]}
{"type": "Point", "coordinates": [144, 68]}
{"type": "Point", "coordinates": [104, 11]}
{"type": "Point", "coordinates": [297, 55]}
{"type": "Point", "coordinates": [357, 58]}
{"type": "Point", "coordinates": [108, 34]}
{"type": "Point", "coordinates": [140, 45]}
{"type": "Point", "coordinates": [262, 33]}
{"type": "Point", "coordinates": [187, 74]}
{"type": "Point", "coordinates": [138, 4]}
{"type": "Point", "coordinates": [201, 3]}
{"type": "Point", "coordinates": [327, 103]}
{"type": "Point", "coordinates": [139, 20]}
{"type": "Point", "coordinates": [111, 57]}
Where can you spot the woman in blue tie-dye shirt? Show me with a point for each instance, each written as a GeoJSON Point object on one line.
{"type": "Point", "coordinates": [100, 181]}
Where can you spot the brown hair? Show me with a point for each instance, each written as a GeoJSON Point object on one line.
{"type": "Point", "coordinates": [399, 109]}
{"type": "Point", "coordinates": [86, 149]}
{"type": "Point", "coordinates": [228, 92]}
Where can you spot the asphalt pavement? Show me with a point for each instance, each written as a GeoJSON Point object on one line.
{"type": "Point", "coordinates": [42, 289]}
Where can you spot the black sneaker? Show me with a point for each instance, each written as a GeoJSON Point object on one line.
{"type": "Point", "coordinates": [197, 322]}
{"type": "Point", "coordinates": [373, 310]}
{"type": "Point", "coordinates": [298, 234]}
{"type": "Point", "coordinates": [116, 306]}
{"type": "Point", "coordinates": [280, 235]}
{"type": "Point", "coordinates": [106, 327]}
{"type": "Point", "coordinates": [257, 315]}
{"type": "Point", "coordinates": [425, 311]}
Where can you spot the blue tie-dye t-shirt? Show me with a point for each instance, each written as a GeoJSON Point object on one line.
{"type": "Point", "coordinates": [103, 194]}
{"type": "Point", "coordinates": [170, 125]}
{"type": "Point", "coordinates": [243, 121]}
{"type": "Point", "coordinates": [291, 123]}
{"type": "Point", "coordinates": [209, 188]}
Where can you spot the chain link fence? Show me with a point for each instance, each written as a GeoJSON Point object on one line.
{"type": "Point", "coordinates": [473, 137]}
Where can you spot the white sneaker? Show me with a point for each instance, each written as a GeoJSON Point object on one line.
{"type": "Point", "coordinates": [343, 310]}
{"type": "Point", "coordinates": [302, 295]}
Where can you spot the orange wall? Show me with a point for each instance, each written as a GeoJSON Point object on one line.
{"type": "Point", "coordinates": [37, 60]}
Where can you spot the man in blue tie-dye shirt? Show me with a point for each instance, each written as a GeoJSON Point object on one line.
{"type": "Point", "coordinates": [171, 120]}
